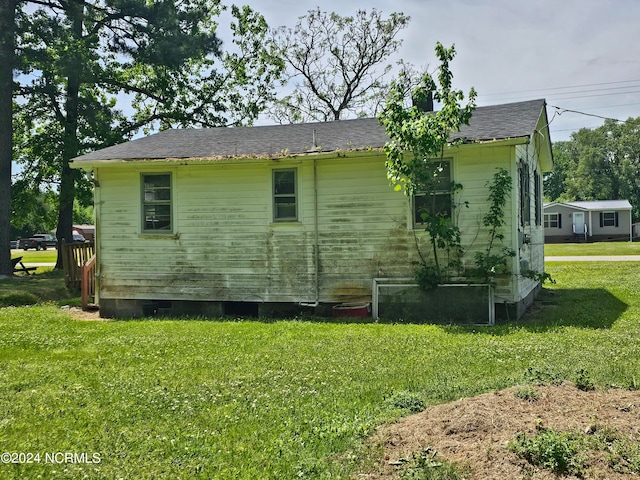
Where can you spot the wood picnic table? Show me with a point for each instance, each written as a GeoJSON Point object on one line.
{"type": "Point", "coordinates": [18, 266]}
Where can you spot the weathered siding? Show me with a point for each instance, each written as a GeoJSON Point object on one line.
{"type": "Point", "coordinates": [225, 245]}
{"type": "Point", "coordinates": [475, 169]}
{"type": "Point", "coordinates": [530, 234]}
{"type": "Point", "coordinates": [362, 232]}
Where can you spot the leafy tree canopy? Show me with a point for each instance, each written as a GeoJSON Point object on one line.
{"type": "Point", "coordinates": [337, 65]}
{"type": "Point", "coordinates": [418, 137]}
{"type": "Point", "coordinates": [75, 57]}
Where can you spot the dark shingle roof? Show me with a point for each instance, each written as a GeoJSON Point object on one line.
{"type": "Point", "coordinates": [513, 120]}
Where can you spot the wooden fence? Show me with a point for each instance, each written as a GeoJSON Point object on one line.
{"type": "Point", "coordinates": [89, 284]}
{"type": "Point", "coordinates": [74, 257]}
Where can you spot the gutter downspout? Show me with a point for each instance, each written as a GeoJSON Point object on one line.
{"type": "Point", "coordinates": [316, 240]}
{"type": "Point", "coordinates": [97, 202]}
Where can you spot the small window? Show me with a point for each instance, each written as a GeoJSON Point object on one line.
{"type": "Point", "coordinates": [156, 202]}
{"type": "Point", "coordinates": [609, 219]}
{"type": "Point", "coordinates": [438, 202]}
{"type": "Point", "coordinates": [285, 204]}
{"type": "Point", "coordinates": [552, 220]}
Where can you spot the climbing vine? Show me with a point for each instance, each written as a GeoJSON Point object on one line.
{"type": "Point", "coordinates": [490, 263]}
{"type": "Point", "coordinates": [415, 152]}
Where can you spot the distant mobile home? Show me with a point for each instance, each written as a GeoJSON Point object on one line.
{"type": "Point", "coordinates": [588, 221]}
{"type": "Point", "coordinates": [254, 219]}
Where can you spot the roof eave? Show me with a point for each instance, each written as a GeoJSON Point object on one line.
{"type": "Point", "coordinates": [246, 159]}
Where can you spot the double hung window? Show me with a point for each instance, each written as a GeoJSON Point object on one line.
{"type": "Point", "coordinates": [552, 220]}
{"type": "Point", "coordinates": [437, 202]}
{"type": "Point", "coordinates": [609, 219]}
{"type": "Point", "coordinates": [156, 203]}
{"type": "Point", "coordinates": [285, 195]}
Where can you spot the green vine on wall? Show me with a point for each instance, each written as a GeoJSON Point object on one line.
{"type": "Point", "coordinates": [417, 140]}
{"type": "Point", "coordinates": [445, 237]}
{"type": "Point", "coordinates": [490, 262]}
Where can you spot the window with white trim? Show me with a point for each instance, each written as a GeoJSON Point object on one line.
{"type": "Point", "coordinates": [552, 220]}
{"type": "Point", "coordinates": [156, 203]}
{"type": "Point", "coordinates": [609, 219]}
{"type": "Point", "coordinates": [439, 200]}
{"type": "Point", "coordinates": [285, 195]}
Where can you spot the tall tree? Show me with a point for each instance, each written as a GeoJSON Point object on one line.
{"type": "Point", "coordinates": [76, 56]}
{"type": "Point", "coordinates": [564, 162]}
{"type": "Point", "coordinates": [7, 50]}
{"type": "Point", "coordinates": [336, 64]}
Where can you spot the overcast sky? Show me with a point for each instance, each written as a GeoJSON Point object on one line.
{"type": "Point", "coordinates": [580, 55]}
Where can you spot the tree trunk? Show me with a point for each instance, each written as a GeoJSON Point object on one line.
{"type": "Point", "coordinates": [70, 145]}
{"type": "Point", "coordinates": [7, 53]}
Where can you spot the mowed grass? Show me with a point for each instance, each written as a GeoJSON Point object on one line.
{"type": "Point", "coordinates": [286, 399]}
{"type": "Point", "coordinates": [589, 249]}
{"type": "Point", "coordinates": [49, 255]}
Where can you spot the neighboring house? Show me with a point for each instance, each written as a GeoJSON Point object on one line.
{"type": "Point", "coordinates": [590, 221]}
{"type": "Point", "coordinates": [258, 219]}
{"type": "Point", "coordinates": [87, 231]}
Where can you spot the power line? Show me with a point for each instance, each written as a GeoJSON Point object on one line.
{"type": "Point", "coordinates": [614, 106]}
{"type": "Point", "coordinates": [562, 88]}
{"type": "Point", "coordinates": [561, 110]}
{"type": "Point", "coordinates": [596, 95]}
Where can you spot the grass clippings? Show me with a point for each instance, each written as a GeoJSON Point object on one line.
{"type": "Point", "coordinates": [475, 432]}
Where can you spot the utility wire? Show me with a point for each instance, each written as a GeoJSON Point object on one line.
{"type": "Point", "coordinates": [563, 88]}
{"type": "Point", "coordinates": [596, 95]}
{"type": "Point", "coordinates": [561, 110]}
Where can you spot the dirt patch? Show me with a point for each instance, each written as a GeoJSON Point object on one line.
{"type": "Point", "coordinates": [85, 315]}
{"type": "Point", "coordinates": [474, 432]}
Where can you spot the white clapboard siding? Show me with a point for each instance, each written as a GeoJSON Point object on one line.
{"type": "Point", "coordinates": [225, 245]}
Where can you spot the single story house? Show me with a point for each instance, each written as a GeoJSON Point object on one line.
{"type": "Point", "coordinates": [257, 219]}
{"type": "Point", "coordinates": [589, 221]}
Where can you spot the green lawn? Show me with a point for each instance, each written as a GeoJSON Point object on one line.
{"type": "Point", "coordinates": [599, 248]}
{"type": "Point", "coordinates": [33, 256]}
{"type": "Point", "coordinates": [45, 286]}
{"type": "Point", "coordinates": [285, 399]}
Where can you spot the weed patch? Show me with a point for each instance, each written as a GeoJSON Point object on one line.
{"type": "Point", "coordinates": [583, 381]}
{"type": "Point", "coordinates": [561, 452]}
{"type": "Point", "coordinates": [567, 452]}
{"type": "Point", "coordinates": [406, 402]}
{"type": "Point", "coordinates": [528, 393]}
{"type": "Point", "coordinates": [427, 466]}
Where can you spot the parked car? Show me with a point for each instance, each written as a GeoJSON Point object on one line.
{"type": "Point", "coordinates": [40, 241]}
{"type": "Point", "coordinates": [14, 244]}
{"type": "Point", "coordinates": [78, 237]}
